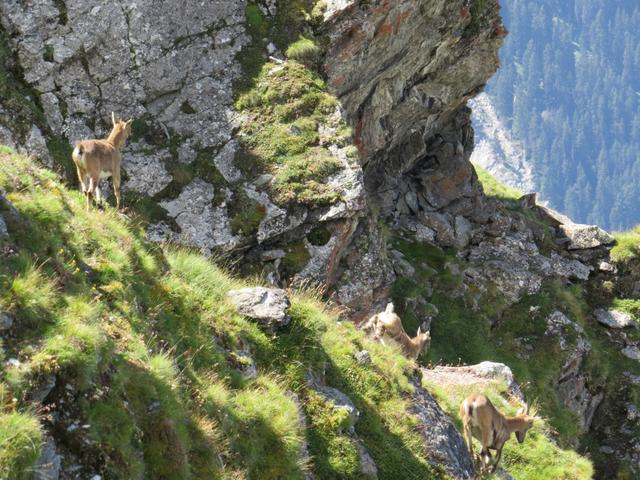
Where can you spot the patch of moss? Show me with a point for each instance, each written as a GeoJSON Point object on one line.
{"type": "Point", "coordinates": [246, 215]}
{"type": "Point", "coordinates": [286, 103]}
{"type": "Point", "coordinates": [479, 17]}
{"type": "Point", "coordinates": [139, 129]}
{"type": "Point", "coordinates": [187, 108]}
{"type": "Point", "coordinates": [62, 11]}
{"type": "Point", "coordinates": [147, 209]}
{"type": "Point", "coordinates": [295, 259]}
{"type": "Point", "coordinates": [47, 56]}
{"type": "Point", "coordinates": [493, 188]}
{"type": "Point", "coordinates": [61, 150]}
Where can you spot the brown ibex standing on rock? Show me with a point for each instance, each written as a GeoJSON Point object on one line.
{"type": "Point", "coordinates": [96, 159]}
{"type": "Point", "coordinates": [482, 420]}
{"type": "Point", "coordinates": [389, 323]}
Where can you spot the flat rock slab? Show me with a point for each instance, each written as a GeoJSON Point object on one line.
{"type": "Point", "coordinates": [268, 306]}
{"type": "Point", "coordinates": [480, 374]}
{"type": "Point", "coordinates": [585, 236]}
{"type": "Point", "coordinates": [631, 352]}
{"type": "Point", "coordinates": [614, 318]}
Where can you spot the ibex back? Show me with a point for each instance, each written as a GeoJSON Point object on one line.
{"type": "Point", "coordinates": [96, 159]}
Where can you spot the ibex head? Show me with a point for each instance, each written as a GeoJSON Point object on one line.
{"type": "Point", "coordinates": [424, 339]}
{"type": "Point", "coordinates": [527, 422]}
{"type": "Point", "coordinates": [120, 131]}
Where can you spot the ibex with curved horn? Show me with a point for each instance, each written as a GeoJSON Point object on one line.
{"type": "Point", "coordinates": [482, 420]}
{"type": "Point", "coordinates": [96, 159]}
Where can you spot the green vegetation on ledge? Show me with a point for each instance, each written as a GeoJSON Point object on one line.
{"type": "Point", "coordinates": [627, 246]}
{"type": "Point", "coordinates": [291, 119]}
{"type": "Point", "coordinates": [493, 188]}
{"type": "Point", "coordinates": [286, 109]}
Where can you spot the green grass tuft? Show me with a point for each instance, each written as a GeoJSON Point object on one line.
{"type": "Point", "coordinates": [20, 440]}
{"type": "Point", "coordinates": [305, 51]}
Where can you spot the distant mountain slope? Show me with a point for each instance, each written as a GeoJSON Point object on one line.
{"type": "Point", "coordinates": [569, 90]}
{"type": "Point", "coordinates": [496, 150]}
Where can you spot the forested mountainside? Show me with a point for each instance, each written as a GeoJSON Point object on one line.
{"type": "Point", "coordinates": [569, 90]}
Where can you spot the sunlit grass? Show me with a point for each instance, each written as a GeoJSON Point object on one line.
{"type": "Point", "coordinates": [20, 441]}
{"type": "Point", "coordinates": [149, 339]}
{"type": "Point", "coordinates": [627, 246]}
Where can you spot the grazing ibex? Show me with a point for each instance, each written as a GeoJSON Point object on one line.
{"type": "Point", "coordinates": [482, 420]}
{"type": "Point", "coordinates": [96, 159]}
{"type": "Point", "coordinates": [390, 324]}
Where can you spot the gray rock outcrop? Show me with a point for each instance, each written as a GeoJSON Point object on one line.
{"type": "Point", "coordinates": [443, 442]}
{"type": "Point", "coordinates": [632, 352]}
{"type": "Point", "coordinates": [49, 464]}
{"type": "Point", "coordinates": [585, 236]}
{"type": "Point", "coordinates": [268, 306]}
{"type": "Point", "coordinates": [614, 318]}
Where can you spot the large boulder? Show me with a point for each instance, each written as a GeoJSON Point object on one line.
{"type": "Point", "coordinates": [268, 306]}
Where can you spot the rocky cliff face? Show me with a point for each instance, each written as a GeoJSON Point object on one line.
{"type": "Point", "coordinates": [402, 78]}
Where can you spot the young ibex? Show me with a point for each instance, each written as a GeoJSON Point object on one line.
{"type": "Point", "coordinates": [482, 420]}
{"type": "Point", "coordinates": [96, 159]}
{"type": "Point", "coordinates": [390, 324]}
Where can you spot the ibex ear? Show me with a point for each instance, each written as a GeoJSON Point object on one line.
{"type": "Point", "coordinates": [113, 118]}
{"type": "Point", "coordinates": [129, 122]}
{"type": "Point", "coordinates": [389, 308]}
{"type": "Point", "coordinates": [419, 332]}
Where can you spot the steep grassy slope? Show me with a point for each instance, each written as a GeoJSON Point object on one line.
{"type": "Point", "coordinates": [148, 358]}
